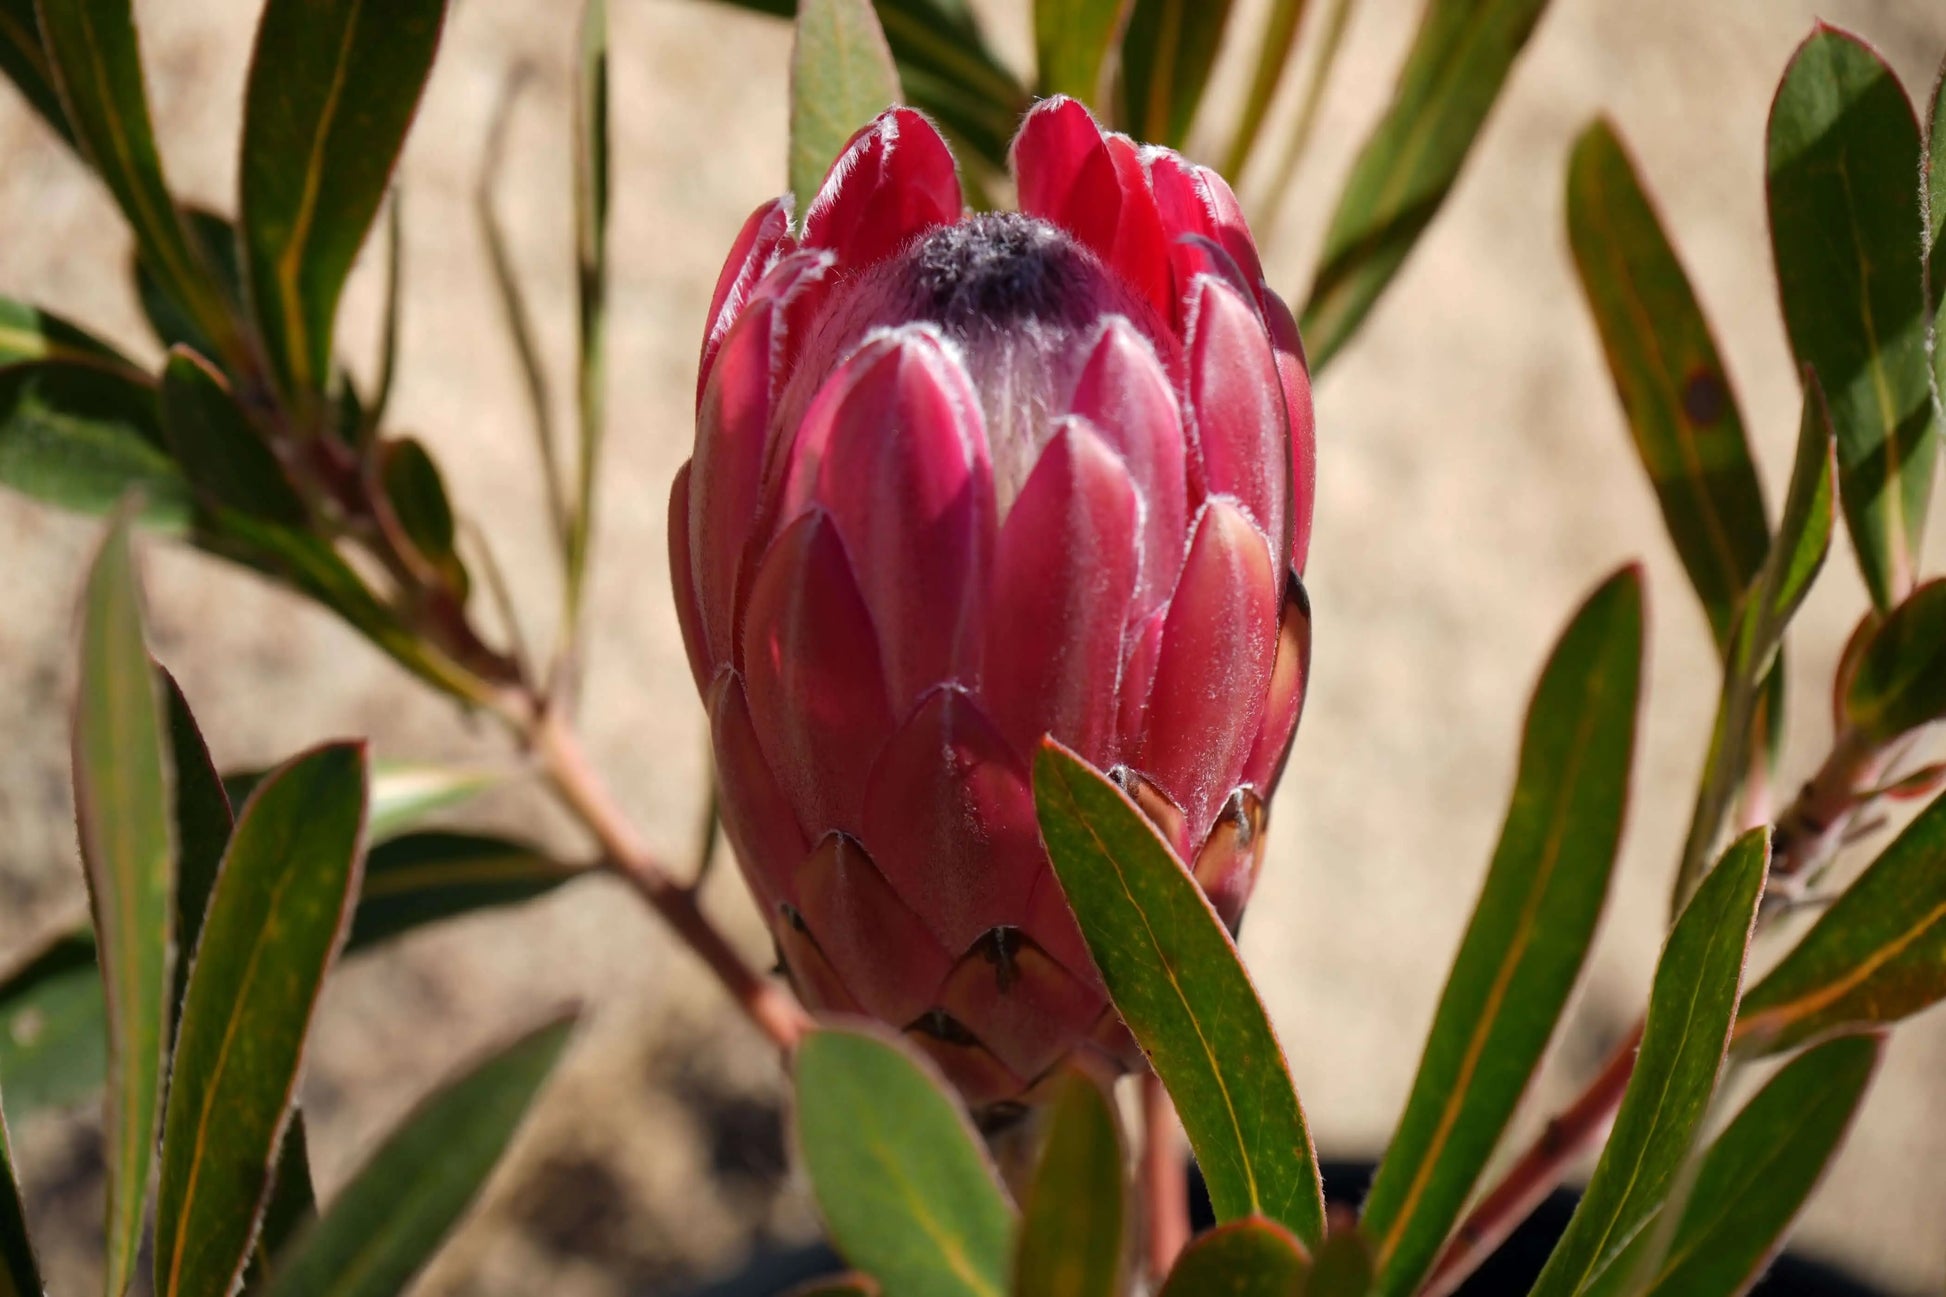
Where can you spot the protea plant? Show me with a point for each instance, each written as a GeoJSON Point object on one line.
{"type": "Point", "coordinates": [962, 480]}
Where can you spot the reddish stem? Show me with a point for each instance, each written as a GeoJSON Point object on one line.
{"type": "Point", "coordinates": [765, 1003]}
{"type": "Point", "coordinates": [1165, 1178]}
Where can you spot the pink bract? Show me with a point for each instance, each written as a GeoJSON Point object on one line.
{"type": "Point", "coordinates": [961, 481]}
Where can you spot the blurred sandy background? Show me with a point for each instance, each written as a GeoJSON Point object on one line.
{"type": "Point", "coordinates": [1475, 481]}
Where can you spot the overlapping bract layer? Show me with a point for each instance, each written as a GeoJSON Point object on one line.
{"type": "Point", "coordinates": [961, 481]}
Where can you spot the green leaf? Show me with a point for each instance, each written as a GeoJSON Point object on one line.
{"type": "Point", "coordinates": [214, 236]}
{"type": "Point", "coordinates": [20, 1274]}
{"type": "Point", "coordinates": [1843, 148]}
{"type": "Point", "coordinates": [418, 511]}
{"type": "Point", "coordinates": [1877, 955]}
{"type": "Point", "coordinates": [53, 1026]}
{"type": "Point", "coordinates": [227, 462]}
{"type": "Point", "coordinates": [1528, 938]}
{"type": "Point", "coordinates": [24, 62]}
{"type": "Point", "coordinates": [292, 1207]}
{"type": "Point", "coordinates": [1072, 1232]}
{"type": "Point", "coordinates": [1251, 1256]}
{"type": "Point", "coordinates": [29, 333]}
{"type": "Point", "coordinates": [1207, 1036]}
{"type": "Point", "coordinates": [1277, 51]}
{"type": "Point", "coordinates": [404, 795]}
{"type": "Point", "coordinates": [392, 1216]}
{"type": "Point", "coordinates": [1167, 53]}
{"type": "Point", "coordinates": [1752, 669]}
{"type": "Point", "coordinates": [1345, 1266]}
{"type": "Point", "coordinates": [1757, 1175]}
{"type": "Point", "coordinates": [332, 89]}
{"type": "Point", "coordinates": [423, 878]}
{"type": "Point", "coordinates": [96, 61]}
{"type": "Point", "coordinates": [1899, 683]}
{"type": "Point", "coordinates": [1671, 381]}
{"type": "Point", "coordinates": [82, 438]}
{"type": "Point", "coordinates": [1934, 197]}
{"type": "Point", "coordinates": [1692, 1003]}
{"type": "Point", "coordinates": [368, 421]}
{"type": "Point", "coordinates": [202, 819]}
{"type": "Point", "coordinates": [276, 919]}
{"type": "Point", "coordinates": [591, 284]}
{"type": "Point", "coordinates": [842, 76]}
{"type": "Point", "coordinates": [1072, 40]}
{"type": "Point", "coordinates": [1454, 72]}
{"type": "Point", "coordinates": [128, 851]}
{"type": "Point", "coordinates": [902, 1182]}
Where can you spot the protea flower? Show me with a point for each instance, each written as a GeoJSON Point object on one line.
{"type": "Point", "coordinates": [961, 481]}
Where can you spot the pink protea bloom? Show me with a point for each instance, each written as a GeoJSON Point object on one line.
{"type": "Point", "coordinates": [965, 480]}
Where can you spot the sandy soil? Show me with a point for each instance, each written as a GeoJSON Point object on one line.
{"type": "Point", "coordinates": [1475, 482]}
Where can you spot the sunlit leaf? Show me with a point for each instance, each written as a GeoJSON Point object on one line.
{"type": "Point", "coordinates": [83, 438]}
{"type": "Point", "coordinates": [1206, 1036]}
{"type": "Point", "coordinates": [1248, 1257]}
{"type": "Point", "coordinates": [1843, 152]}
{"type": "Point", "coordinates": [1072, 1220]}
{"type": "Point", "coordinates": [29, 333]}
{"type": "Point", "coordinates": [842, 76]}
{"type": "Point", "coordinates": [1072, 42]}
{"type": "Point", "coordinates": [1899, 681]}
{"type": "Point", "coordinates": [1528, 938]}
{"type": "Point", "coordinates": [1168, 51]}
{"type": "Point", "coordinates": [899, 1176]}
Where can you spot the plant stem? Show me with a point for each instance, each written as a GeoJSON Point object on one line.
{"type": "Point", "coordinates": [1536, 1174]}
{"type": "Point", "coordinates": [1165, 1176]}
{"type": "Point", "coordinates": [766, 1004]}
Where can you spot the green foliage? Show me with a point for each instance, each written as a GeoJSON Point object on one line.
{"type": "Point", "coordinates": [1073, 40]}
{"type": "Point", "coordinates": [29, 333]}
{"type": "Point", "coordinates": [332, 89]}
{"type": "Point", "coordinates": [1877, 955]}
{"type": "Point", "coordinates": [1252, 1256]}
{"type": "Point", "coordinates": [82, 438]}
{"type": "Point", "coordinates": [1528, 937]}
{"type": "Point", "coordinates": [396, 1210]}
{"type": "Point", "coordinates": [905, 1189]}
{"type": "Point", "coordinates": [128, 850]}
{"type": "Point", "coordinates": [228, 465]}
{"type": "Point", "coordinates": [1691, 1007]}
{"type": "Point", "coordinates": [1452, 76]}
{"type": "Point", "coordinates": [1072, 1229]}
{"type": "Point", "coordinates": [842, 76]}
{"type": "Point", "coordinates": [1898, 682]}
{"type": "Point", "coordinates": [53, 1026]}
{"type": "Point", "coordinates": [1842, 153]}
{"type": "Point", "coordinates": [276, 919]}
{"type": "Point", "coordinates": [423, 878]}
{"type": "Point", "coordinates": [19, 1271]}
{"type": "Point", "coordinates": [1207, 1036]}
{"type": "Point", "coordinates": [1167, 54]}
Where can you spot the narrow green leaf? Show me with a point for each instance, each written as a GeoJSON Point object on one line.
{"type": "Point", "coordinates": [29, 333]}
{"type": "Point", "coordinates": [96, 61]}
{"type": "Point", "coordinates": [1251, 1256]}
{"type": "Point", "coordinates": [420, 514]}
{"type": "Point", "coordinates": [1755, 1178]}
{"type": "Point", "coordinates": [1072, 1232]}
{"type": "Point", "coordinates": [1877, 955]}
{"type": "Point", "coordinates": [203, 822]}
{"type": "Point", "coordinates": [332, 89]}
{"type": "Point", "coordinates": [842, 76]}
{"type": "Point", "coordinates": [1752, 669]}
{"type": "Point", "coordinates": [900, 1178]}
{"type": "Point", "coordinates": [227, 462]}
{"type": "Point", "coordinates": [405, 794]}
{"type": "Point", "coordinates": [388, 341]}
{"type": "Point", "coordinates": [1072, 41]}
{"type": "Point", "coordinates": [1674, 390]}
{"type": "Point", "coordinates": [173, 322]}
{"type": "Point", "coordinates": [591, 284]}
{"type": "Point", "coordinates": [24, 62]}
{"type": "Point", "coordinates": [1692, 1003]}
{"type": "Point", "coordinates": [1528, 938]}
{"type": "Point", "coordinates": [1207, 1036]}
{"type": "Point", "coordinates": [1167, 53]}
{"type": "Point", "coordinates": [1933, 196]}
{"type": "Point", "coordinates": [423, 878]}
{"type": "Point", "coordinates": [1458, 63]}
{"type": "Point", "coordinates": [1899, 683]}
{"type": "Point", "coordinates": [276, 919]}
{"type": "Point", "coordinates": [1277, 51]}
{"type": "Point", "coordinates": [291, 1210]}
{"type": "Point", "coordinates": [122, 809]}
{"type": "Point", "coordinates": [1843, 148]}
{"type": "Point", "coordinates": [20, 1274]}
{"type": "Point", "coordinates": [392, 1216]}
{"type": "Point", "coordinates": [53, 1026]}
{"type": "Point", "coordinates": [82, 438]}
{"type": "Point", "coordinates": [1345, 1266]}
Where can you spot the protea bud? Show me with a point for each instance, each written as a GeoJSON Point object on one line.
{"type": "Point", "coordinates": [961, 481]}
